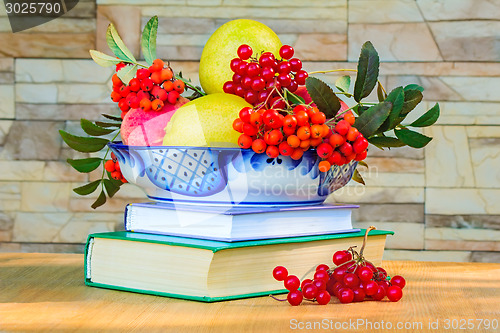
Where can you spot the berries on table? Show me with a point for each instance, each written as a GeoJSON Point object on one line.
{"type": "Point", "coordinates": [354, 279]}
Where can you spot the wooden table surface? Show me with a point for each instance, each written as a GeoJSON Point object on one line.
{"type": "Point", "coordinates": [45, 292]}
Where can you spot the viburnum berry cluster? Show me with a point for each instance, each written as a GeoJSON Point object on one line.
{"type": "Point", "coordinates": [113, 167]}
{"type": "Point", "coordinates": [353, 279]}
{"type": "Point", "coordinates": [149, 90]}
{"type": "Point", "coordinates": [290, 132]}
{"type": "Point", "coordinates": [259, 79]}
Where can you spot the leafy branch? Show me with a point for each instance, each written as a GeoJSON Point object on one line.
{"type": "Point", "coordinates": [380, 123]}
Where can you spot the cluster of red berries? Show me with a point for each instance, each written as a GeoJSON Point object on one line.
{"type": "Point", "coordinates": [113, 167]}
{"type": "Point", "coordinates": [353, 280]}
{"type": "Point", "coordinates": [149, 90]}
{"type": "Point", "coordinates": [290, 133]}
{"type": "Point", "coordinates": [259, 80]}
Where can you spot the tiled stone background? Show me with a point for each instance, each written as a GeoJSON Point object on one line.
{"type": "Point", "coordinates": [443, 201]}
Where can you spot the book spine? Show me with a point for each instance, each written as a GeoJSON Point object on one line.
{"type": "Point", "coordinates": [88, 255]}
{"type": "Point", "coordinates": [129, 216]}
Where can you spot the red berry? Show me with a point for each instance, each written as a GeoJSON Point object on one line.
{"type": "Point", "coordinates": [157, 105]}
{"type": "Point", "coordinates": [285, 149]}
{"type": "Point", "coordinates": [301, 77]}
{"type": "Point", "coordinates": [323, 297]}
{"type": "Point", "coordinates": [173, 96]}
{"type": "Point", "coordinates": [157, 65]}
{"type": "Point", "coordinates": [359, 295]}
{"type": "Point", "coordinates": [116, 175]}
{"type": "Point", "coordinates": [292, 282]}
{"type": "Point", "coordinates": [342, 127]}
{"type": "Point", "coordinates": [371, 288]}
{"type": "Point", "coordinates": [364, 273]}
{"type": "Point", "coordinates": [284, 67]}
{"type": "Point", "coordinates": [322, 275]}
{"type": "Point", "coordinates": [322, 267]}
{"type": "Point", "coordinates": [360, 144]}
{"type": "Point", "coordinates": [398, 280]}
{"type": "Point", "coordinates": [234, 64]}
{"type": "Point", "coordinates": [280, 273]}
{"type": "Point", "coordinates": [382, 273]}
{"type": "Point", "coordinates": [346, 295]}
{"type": "Point", "coordinates": [318, 118]}
{"type": "Point", "coordinates": [245, 114]}
{"type": "Point", "coordinates": [244, 52]}
{"type": "Point", "coordinates": [310, 291]}
{"type": "Point", "coordinates": [272, 151]}
{"type": "Point", "coordinates": [346, 149]}
{"type": "Point", "coordinates": [295, 297]}
{"type": "Point", "coordinates": [143, 73]}
{"type": "Point", "coordinates": [179, 86]}
{"type": "Point", "coordinates": [245, 141]}
{"type": "Point", "coordinates": [380, 294]}
{"type": "Point", "coordinates": [109, 166]}
{"type": "Point", "coordinates": [351, 280]}
{"type": "Point", "coordinates": [341, 257]}
{"type": "Point", "coordinates": [259, 146]}
{"type": "Point", "coordinates": [295, 64]}
{"type": "Point", "coordinates": [352, 134]}
{"type": "Point", "coordinates": [394, 293]}
{"type": "Point", "coordinates": [147, 84]}
{"type": "Point", "coordinates": [361, 156]}
{"type": "Point", "coordinates": [303, 283]}
{"type": "Point", "coordinates": [267, 73]}
{"type": "Point", "coordinates": [324, 150]}
{"type": "Point", "coordinates": [320, 284]}
{"type": "Point", "coordinates": [286, 51]}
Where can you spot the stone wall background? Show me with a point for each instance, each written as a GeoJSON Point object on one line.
{"type": "Point", "coordinates": [443, 202]}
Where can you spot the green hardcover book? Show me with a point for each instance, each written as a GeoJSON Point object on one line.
{"type": "Point", "coordinates": [209, 271]}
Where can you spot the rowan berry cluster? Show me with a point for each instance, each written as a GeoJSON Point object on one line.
{"type": "Point", "coordinates": [149, 90]}
{"type": "Point", "coordinates": [290, 133]}
{"type": "Point", "coordinates": [113, 167]}
{"type": "Point", "coordinates": [259, 80]}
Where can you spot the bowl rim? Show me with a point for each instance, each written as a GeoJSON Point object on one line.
{"type": "Point", "coordinates": [121, 145]}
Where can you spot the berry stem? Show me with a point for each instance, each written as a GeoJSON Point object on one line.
{"type": "Point", "coordinates": [189, 85]}
{"type": "Point", "coordinates": [370, 228]}
{"type": "Point", "coordinates": [278, 299]}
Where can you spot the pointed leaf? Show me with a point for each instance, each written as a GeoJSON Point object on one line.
{"type": "Point", "coordinates": [101, 200]}
{"type": "Point", "coordinates": [411, 138]}
{"type": "Point", "coordinates": [85, 165]}
{"type": "Point", "coordinates": [414, 87]}
{"type": "Point", "coordinates": [428, 118]}
{"type": "Point", "coordinates": [363, 163]}
{"type": "Point", "coordinates": [381, 95]}
{"type": "Point", "coordinates": [357, 177]}
{"type": "Point", "coordinates": [83, 144]}
{"type": "Point", "coordinates": [370, 120]}
{"type": "Point", "coordinates": [368, 65]}
{"type": "Point", "coordinates": [87, 188]}
{"type": "Point", "coordinates": [148, 40]}
{"type": "Point", "coordinates": [343, 83]}
{"type": "Point", "coordinates": [412, 98]}
{"type": "Point", "coordinates": [105, 124]}
{"type": "Point", "coordinates": [117, 46]}
{"type": "Point", "coordinates": [103, 60]}
{"type": "Point", "coordinates": [92, 129]}
{"type": "Point", "coordinates": [112, 117]}
{"type": "Point", "coordinates": [385, 141]}
{"type": "Point", "coordinates": [293, 99]}
{"type": "Point", "coordinates": [127, 73]}
{"type": "Point", "coordinates": [323, 96]}
{"type": "Point", "coordinates": [396, 97]}
{"type": "Point", "coordinates": [111, 187]}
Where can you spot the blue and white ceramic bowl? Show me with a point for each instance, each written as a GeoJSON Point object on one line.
{"type": "Point", "coordinates": [228, 176]}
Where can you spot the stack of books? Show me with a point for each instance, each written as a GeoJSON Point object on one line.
{"type": "Point", "coordinates": [220, 253]}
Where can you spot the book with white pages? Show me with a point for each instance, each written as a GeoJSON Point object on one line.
{"type": "Point", "coordinates": [230, 224]}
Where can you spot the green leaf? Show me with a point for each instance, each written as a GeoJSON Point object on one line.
{"type": "Point", "coordinates": [101, 200]}
{"type": "Point", "coordinates": [414, 87]}
{"type": "Point", "coordinates": [111, 187]}
{"type": "Point", "coordinates": [397, 98]}
{"type": "Point", "coordinates": [411, 138]}
{"type": "Point", "coordinates": [127, 73]}
{"type": "Point", "coordinates": [412, 98]}
{"type": "Point", "coordinates": [105, 124]}
{"type": "Point", "coordinates": [83, 144]}
{"type": "Point", "coordinates": [87, 188]}
{"type": "Point", "coordinates": [357, 177]}
{"type": "Point", "coordinates": [385, 141]}
{"type": "Point", "coordinates": [148, 40]}
{"type": "Point", "coordinates": [85, 165]}
{"type": "Point", "coordinates": [367, 77]}
{"type": "Point", "coordinates": [292, 98]}
{"type": "Point", "coordinates": [343, 83]}
{"type": "Point", "coordinates": [428, 118]}
{"type": "Point", "coordinates": [381, 95]}
{"type": "Point", "coordinates": [117, 46]}
{"type": "Point", "coordinates": [92, 129]}
{"type": "Point", "coordinates": [112, 117]}
{"type": "Point", "coordinates": [370, 120]}
{"type": "Point", "coordinates": [103, 60]}
{"type": "Point", "coordinates": [323, 96]}
{"type": "Point", "coordinates": [363, 163]}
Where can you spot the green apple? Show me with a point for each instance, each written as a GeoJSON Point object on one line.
{"type": "Point", "coordinates": [205, 121]}
{"type": "Point", "coordinates": [222, 46]}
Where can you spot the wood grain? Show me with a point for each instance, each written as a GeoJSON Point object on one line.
{"type": "Point", "coordinates": [46, 293]}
